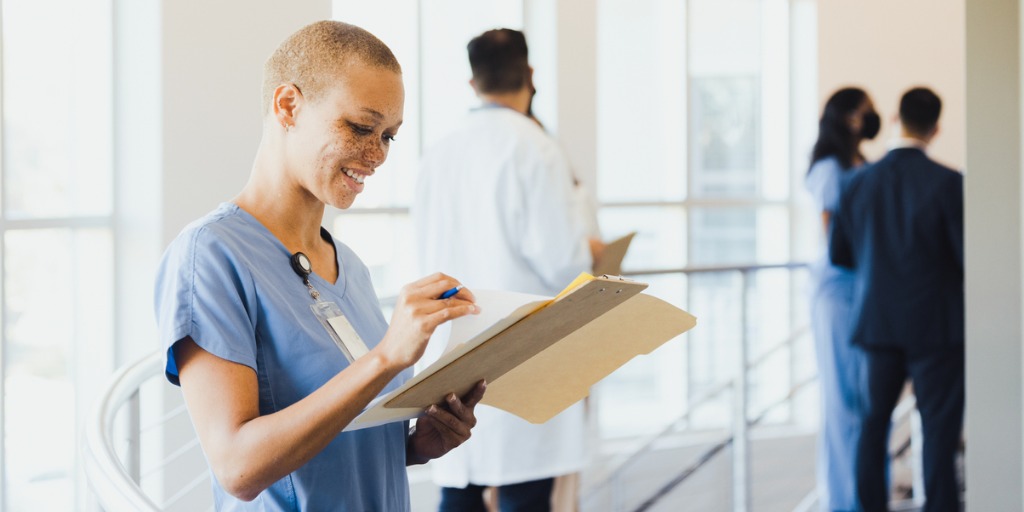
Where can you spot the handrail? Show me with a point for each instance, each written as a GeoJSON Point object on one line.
{"type": "Point", "coordinates": [115, 488]}
{"type": "Point", "coordinates": [652, 439]}
{"type": "Point", "coordinates": [712, 269]}
{"type": "Point", "coordinates": [738, 383]}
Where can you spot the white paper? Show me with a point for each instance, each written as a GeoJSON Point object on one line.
{"type": "Point", "coordinates": [498, 311]}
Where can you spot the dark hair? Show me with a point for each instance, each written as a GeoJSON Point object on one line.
{"type": "Point", "coordinates": [834, 136]}
{"type": "Point", "coordinates": [498, 59]}
{"type": "Point", "coordinates": [919, 110]}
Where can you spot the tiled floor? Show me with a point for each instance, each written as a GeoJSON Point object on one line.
{"type": "Point", "coordinates": [782, 475]}
{"type": "Point", "coordinates": [782, 478]}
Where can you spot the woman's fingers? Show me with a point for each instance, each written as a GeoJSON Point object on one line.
{"type": "Point", "coordinates": [474, 395]}
{"type": "Point", "coordinates": [434, 285]}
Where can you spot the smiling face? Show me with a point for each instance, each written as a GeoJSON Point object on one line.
{"type": "Point", "coordinates": [336, 141]}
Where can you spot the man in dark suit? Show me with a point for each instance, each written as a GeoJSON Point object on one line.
{"type": "Point", "coordinates": [899, 225]}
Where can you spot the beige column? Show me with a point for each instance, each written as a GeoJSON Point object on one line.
{"type": "Point", "coordinates": [994, 257]}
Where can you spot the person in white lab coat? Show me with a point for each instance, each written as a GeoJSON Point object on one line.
{"type": "Point", "coordinates": [497, 206]}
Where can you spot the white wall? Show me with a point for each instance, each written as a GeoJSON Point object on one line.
{"type": "Point", "coordinates": [888, 47]}
{"type": "Point", "coordinates": [187, 77]}
{"type": "Point", "coordinates": [993, 190]}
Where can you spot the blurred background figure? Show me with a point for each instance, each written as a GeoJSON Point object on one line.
{"type": "Point", "coordinates": [848, 119]}
{"type": "Point", "coordinates": [900, 228]}
{"type": "Point", "coordinates": [496, 202]}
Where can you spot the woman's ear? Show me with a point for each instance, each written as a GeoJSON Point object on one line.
{"type": "Point", "coordinates": [287, 99]}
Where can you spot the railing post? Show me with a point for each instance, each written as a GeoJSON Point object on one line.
{"type": "Point", "coordinates": [616, 500]}
{"type": "Point", "coordinates": [133, 460]}
{"type": "Point", "coordinates": [740, 441]}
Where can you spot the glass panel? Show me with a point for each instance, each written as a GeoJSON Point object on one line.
{"type": "Point", "coordinates": [447, 28]}
{"type": "Point", "coordinates": [641, 111]}
{"type": "Point", "coordinates": [723, 128]}
{"type": "Point", "coordinates": [57, 108]}
{"type": "Point", "coordinates": [651, 386]}
{"type": "Point", "coordinates": [725, 80]}
{"type": "Point", "coordinates": [712, 346]}
{"type": "Point", "coordinates": [660, 242]}
{"type": "Point", "coordinates": [58, 330]}
{"type": "Point", "coordinates": [385, 244]}
{"type": "Point", "coordinates": [739, 236]}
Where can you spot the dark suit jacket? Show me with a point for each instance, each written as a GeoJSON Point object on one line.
{"type": "Point", "coordinates": [899, 225]}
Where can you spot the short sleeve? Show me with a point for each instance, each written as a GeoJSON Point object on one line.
{"type": "Point", "coordinates": [204, 293]}
{"type": "Point", "coordinates": [823, 183]}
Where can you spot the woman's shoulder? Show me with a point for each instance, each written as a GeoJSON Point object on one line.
{"type": "Point", "coordinates": [221, 234]}
{"type": "Point", "coordinates": [827, 165]}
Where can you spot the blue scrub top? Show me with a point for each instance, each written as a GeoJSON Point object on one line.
{"type": "Point", "coordinates": [226, 282]}
{"type": "Point", "coordinates": [824, 182]}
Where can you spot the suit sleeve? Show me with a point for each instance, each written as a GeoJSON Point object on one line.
{"type": "Point", "coordinates": [955, 222]}
{"type": "Point", "coordinates": [840, 250]}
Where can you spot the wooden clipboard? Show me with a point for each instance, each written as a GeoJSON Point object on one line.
{"type": "Point", "coordinates": [611, 259]}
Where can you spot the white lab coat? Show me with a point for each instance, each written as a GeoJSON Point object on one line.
{"type": "Point", "coordinates": [495, 208]}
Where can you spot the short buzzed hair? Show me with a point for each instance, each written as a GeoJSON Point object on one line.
{"type": "Point", "coordinates": [499, 60]}
{"type": "Point", "coordinates": [919, 110]}
{"type": "Point", "coordinates": [312, 58]}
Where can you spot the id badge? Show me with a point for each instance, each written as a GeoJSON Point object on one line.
{"type": "Point", "coordinates": [340, 330]}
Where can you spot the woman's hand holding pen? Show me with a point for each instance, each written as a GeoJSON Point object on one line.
{"type": "Point", "coordinates": [418, 311]}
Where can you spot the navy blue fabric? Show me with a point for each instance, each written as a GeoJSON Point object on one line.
{"type": "Point", "coordinates": [939, 385]}
{"type": "Point", "coordinates": [532, 496]}
{"type": "Point", "coordinates": [900, 227]}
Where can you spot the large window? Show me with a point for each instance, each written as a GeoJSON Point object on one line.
{"type": "Point", "coordinates": [56, 243]}
{"type": "Point", "coordinates": [693, 145]}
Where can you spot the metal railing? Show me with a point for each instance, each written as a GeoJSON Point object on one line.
{"type": "Point", "coordinates": [117, 480]}
{"type": "Point", "coordinates": [739, 437]}
{"type": "Point", "coordinates": [116, 483]}
{"type": "Point", "coordinates": [742, 421]}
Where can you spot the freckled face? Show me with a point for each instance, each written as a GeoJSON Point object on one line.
{"type": "Point", "coordinates": [347, 132]}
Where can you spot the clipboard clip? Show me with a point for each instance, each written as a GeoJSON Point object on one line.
{"type": "Point", "coordinates": [618, 278]}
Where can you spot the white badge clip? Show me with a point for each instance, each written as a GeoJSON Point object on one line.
{"type": "Point", "coordinates": [329, 315]}
{"type": "Point", "coordinates": [341, 331]}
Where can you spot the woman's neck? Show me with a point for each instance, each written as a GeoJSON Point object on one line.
{"type": "Point", "coordinates": [292, 214]}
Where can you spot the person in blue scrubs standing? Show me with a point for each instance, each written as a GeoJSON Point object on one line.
{"type": "Point", "coordinates": [847, 120]}
{"type": "Point", "coordinates": [271, 325]}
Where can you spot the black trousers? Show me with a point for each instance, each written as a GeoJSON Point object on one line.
{"type": "Point", "coordinates": [533, 496]}
{"type": "Point", "coordinates": [938, 380]}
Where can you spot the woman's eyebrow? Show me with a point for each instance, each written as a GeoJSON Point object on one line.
{"type": "Point", "coordinates": [376, 115]}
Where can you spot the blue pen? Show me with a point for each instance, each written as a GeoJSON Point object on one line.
{"type": "Point", "coordinates": [450, 293]}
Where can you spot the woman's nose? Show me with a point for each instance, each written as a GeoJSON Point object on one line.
{"type": "Point", "coordinates": [375, 152]}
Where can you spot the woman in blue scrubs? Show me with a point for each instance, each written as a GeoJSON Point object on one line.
{"type": "Point", "coordinates": [847, 120]}
{"type": "Point", "coordinates": [277, 352]}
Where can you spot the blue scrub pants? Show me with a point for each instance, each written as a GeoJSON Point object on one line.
{"type": "Point", "coordinates": [533, 496]}
{"type": "Point", "coordinates": [842, 376]}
